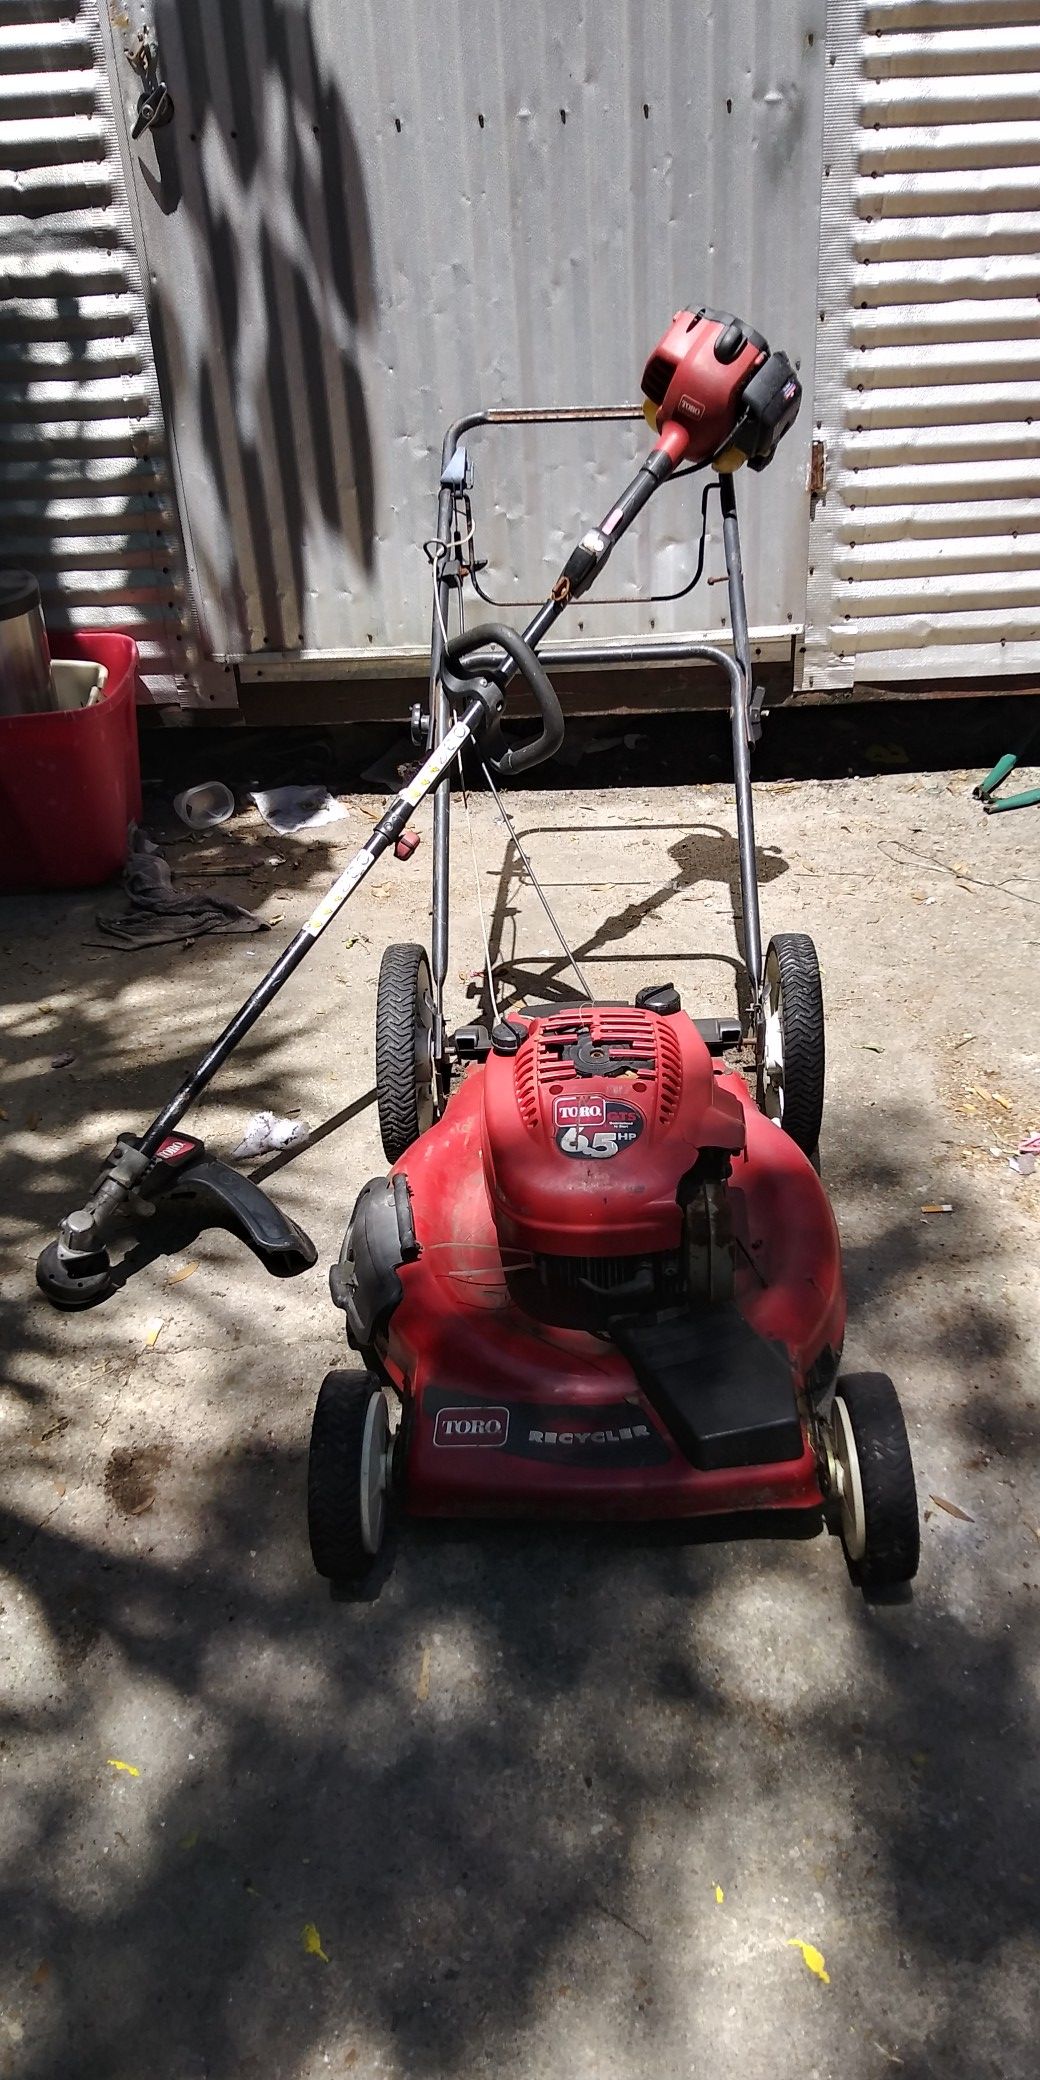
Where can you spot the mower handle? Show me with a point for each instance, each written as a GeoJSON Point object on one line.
{"type": "Point", "coordinates": [514, 758]}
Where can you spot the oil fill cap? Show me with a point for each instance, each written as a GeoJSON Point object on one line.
{"type": "Point", "coordinates": [662, 997]}
{"type": "Point", "coordinates": [507, 1037]}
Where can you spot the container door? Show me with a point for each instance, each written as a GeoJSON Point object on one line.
{"type": "Point", "coordinates": [923, 549]}
{"type": "Point", "coordinates": [366, 220]}
{"type": "Point", "coordinates": [86, 497]}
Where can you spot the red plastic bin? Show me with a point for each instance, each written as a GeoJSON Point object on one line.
{"type": "Point", "coordinates": [70, 783]}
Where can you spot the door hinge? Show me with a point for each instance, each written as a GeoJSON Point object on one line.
{"type": "Point", "coordinates": [816, 484]}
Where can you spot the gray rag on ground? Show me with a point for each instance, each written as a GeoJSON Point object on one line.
{"type": "Point", "coordinates": [161, 914]}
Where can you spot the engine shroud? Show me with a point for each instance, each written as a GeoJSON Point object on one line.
{"type": "Point", "coordinates": [590, 1128]}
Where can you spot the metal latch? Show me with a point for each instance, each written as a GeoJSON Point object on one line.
{"type": "Point", "coordinates": [154, 102]}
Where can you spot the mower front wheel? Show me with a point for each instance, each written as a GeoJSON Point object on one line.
{"type": "Point", "coordinates": [347, 1475]}
{"type": "Point", "coordinates": [873, 1490]}
{"type": "Point", "coordinates": [406, 1074]}
{"type": "Point", "coordinates": [790, 1040]}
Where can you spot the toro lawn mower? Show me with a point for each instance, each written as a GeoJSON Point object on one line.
{"type": "Point", "coordinates": [602, 1278]}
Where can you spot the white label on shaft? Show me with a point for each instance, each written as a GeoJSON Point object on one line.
{"type": "Point", "coordinates": [339, 892]}
{"type": "Point", "coordinates": [434, 767]}
{"type": "Point", "coordinates": [363, 860]}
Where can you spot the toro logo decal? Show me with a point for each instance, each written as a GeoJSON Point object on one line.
{"type": "Point", "coordinates": [595, 1128]}
{"type": "Point", "coordinates": [175, 1148]}
{"type": "Point", "coordinates": [690, 407]}
{"type": "Point", "coordinates": [476, 1428]}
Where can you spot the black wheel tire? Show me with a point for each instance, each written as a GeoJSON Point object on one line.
{"type": "Point", "coordinates": [345, 1530]}
{"type": "Point", "coordinates": [888, 1548]}
{"type": "Point", "coordinates": [794, 998]}
{"type": "Point", "coordinates": [406, 1082]}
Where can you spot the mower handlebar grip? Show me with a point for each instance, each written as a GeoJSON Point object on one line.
{"type": "Point", "coordinates": [516, 758]}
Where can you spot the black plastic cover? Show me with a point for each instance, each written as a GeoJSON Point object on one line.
{"type": "Point", "coordinates": [508, 1036]}
{"type": "Point", "coordinates": [730, 341]}
{"type": "Point", "coordinates": [222, 1198]}
{"type": "Point", "coordinates": [726, 1395]}
{"type": "Point", "coordinates": [718, 1034]}
{"type": "Point", "coordinates": [768, 405]}
{"type": "Point", "coordinates": [471, 1044]}
{"type": "Point", "coordinates": [380, 1238]}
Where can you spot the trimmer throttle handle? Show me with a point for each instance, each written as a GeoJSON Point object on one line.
{"type": "Point", "coordinates": [515, 758]}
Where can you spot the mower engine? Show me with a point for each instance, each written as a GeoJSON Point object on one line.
{"type": "Point", "coordinates": [607, 1142]}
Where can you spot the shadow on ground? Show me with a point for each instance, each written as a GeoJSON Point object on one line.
{"type": "Point", "coordinates": [704, 853]}
{"type": "Point", "coordinates": [502, 1792]}
{"type": "Point", "coordinates": [499, 1794]}
{"type": "Point", "coordinates": [75, 999]}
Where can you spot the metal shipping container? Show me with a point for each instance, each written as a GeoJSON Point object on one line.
{"type": "Point", "coordinates": [86, 490]}
{"type": "Point", "coordinates": [923, 556]}
{"type": "Point", "coordinates": [232, 343]}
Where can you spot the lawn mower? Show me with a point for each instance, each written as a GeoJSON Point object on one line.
{"type": "Point", "coordinates": [602, 1278]}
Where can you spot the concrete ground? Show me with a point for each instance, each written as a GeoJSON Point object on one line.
{"type": "Point", "coordinates": [552, 1801]}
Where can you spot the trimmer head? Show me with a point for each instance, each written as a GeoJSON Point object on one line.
{"type": "Point", "coordinates": [716, 394]}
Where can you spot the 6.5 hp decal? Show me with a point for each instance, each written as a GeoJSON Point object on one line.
{"type": "Point", "coordinates": [595, 1127]}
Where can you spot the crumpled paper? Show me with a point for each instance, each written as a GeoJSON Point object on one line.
{"type": "Point", "coordinates": [287, 809]}
{"type": "Point", "coordinates": [265, 1133]}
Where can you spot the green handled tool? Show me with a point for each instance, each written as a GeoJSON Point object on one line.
{"type": "Point", "coordinates": [1027, 799]}
{"type": "Point", "coordinates": [986, 789]}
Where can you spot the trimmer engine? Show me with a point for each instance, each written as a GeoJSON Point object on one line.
{"type": "Point", "coordinates": [716, 394]}
{"type": "Point", "coordinates": [607, 1142]}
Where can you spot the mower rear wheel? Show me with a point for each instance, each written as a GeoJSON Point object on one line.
{"type": "Point", "coordinates": [406, 1074]}
{"type": "Point", "coordinates": [347, 1475]}
{"type": "Point", "coordinates": [790, 1040]}
{"type": "Point", "coordinates": [873, 1481]}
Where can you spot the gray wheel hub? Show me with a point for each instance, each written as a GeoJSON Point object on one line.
{"type": "Point", "coordinates": [375, 1462]}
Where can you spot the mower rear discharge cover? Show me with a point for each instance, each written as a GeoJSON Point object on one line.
{"type": "Point", "coordinates": [509, 1411]}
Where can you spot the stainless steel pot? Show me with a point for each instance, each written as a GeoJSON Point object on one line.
{"type": "Point", "coordinates": [26, 686]}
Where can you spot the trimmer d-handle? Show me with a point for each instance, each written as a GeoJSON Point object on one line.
{"type": "Point", "coordinates": [503, 757]}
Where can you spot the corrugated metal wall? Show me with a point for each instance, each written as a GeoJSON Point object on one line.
{"type": "Point", "coordinates": [925, 552]}
{"type": "Point", "coordinates": [86, 496]}
{"type": "Point", "coordinates": [363, 221]}
{"type": "Point", "coordinates": [366, 220]}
